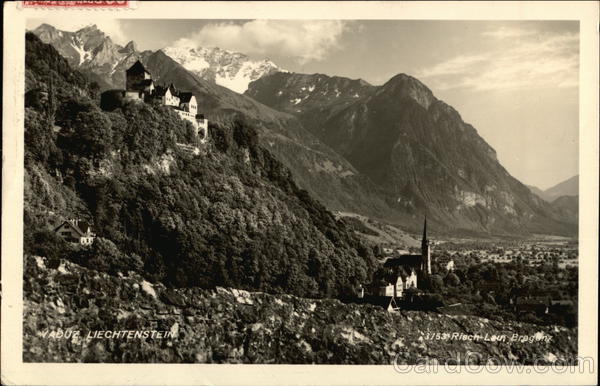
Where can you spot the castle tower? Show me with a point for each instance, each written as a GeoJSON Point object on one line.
{"type": "Point", "coordinates": [137, 78]}
{"type": "Point", "coordinates": [425, 251]}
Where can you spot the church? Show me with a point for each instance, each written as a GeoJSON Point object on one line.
{"type": "Point", "coordinates": [408, 269]}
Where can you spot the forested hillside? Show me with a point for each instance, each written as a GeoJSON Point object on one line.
{"type": "Point", "coordinates": [227, 213]}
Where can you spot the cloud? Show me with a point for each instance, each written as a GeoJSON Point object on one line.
{"type": "Point", "coordinates": [111, 27]}
{"type": "Point", "coordinates": [505, 32]}
{"type": "Point", "coordinates": [518, 59]}
{"type": "Point", "coordinates": [457, 65]}
{"type": "Point", "coordinates": [305, 41]}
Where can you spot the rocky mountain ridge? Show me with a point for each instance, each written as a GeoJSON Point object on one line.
{"type": "Point", "coordinates": [93, 52]}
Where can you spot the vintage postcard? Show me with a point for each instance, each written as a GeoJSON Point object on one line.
{"type": "Point", "coordinates": [300, 192]}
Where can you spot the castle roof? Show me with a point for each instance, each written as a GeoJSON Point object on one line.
{"type": "Point", "coordinates": [160, 91]}
{"type": "Point", "coordinates": [137, 68]}
{"type": "Point", "coordinates": [185, 97]}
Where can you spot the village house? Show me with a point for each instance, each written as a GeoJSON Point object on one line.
{"type": "Point", "coordinates": [445, 262]}
{"type": "Point", "coordinates": [76, 231]}
{"type": "Point", "coordinates": [140, 87]}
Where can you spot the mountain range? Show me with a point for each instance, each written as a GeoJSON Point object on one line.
{"type": "Point", "coordinates": [568, 187]}
{"type": "Point", "coordinates": [93, 52]}
{"type": "Point", "coordinates": [413, 146]}
{"type": "Point", "coordinates": [315, 166]}
{"type": "Point", "coordinates": [233, 70]}
{"type": "Point", "coordinates": [564, 197]}
{"type": "Point", "coordinates": [393, 152]}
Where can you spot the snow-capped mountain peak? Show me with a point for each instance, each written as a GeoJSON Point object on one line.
{"type": "Point", "coordinates": [229, 69]}
{"type": "Point", "coordinates": [89, 49]}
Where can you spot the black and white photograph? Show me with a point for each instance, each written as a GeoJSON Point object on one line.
{"type": "Point", "coordinates": [303, 191]}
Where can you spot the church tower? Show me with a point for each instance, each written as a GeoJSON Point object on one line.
{"type": "Point", "coordinates": [425, 252]}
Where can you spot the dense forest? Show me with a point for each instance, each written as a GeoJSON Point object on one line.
{"type": "Point", "coordinates": [226, 214]}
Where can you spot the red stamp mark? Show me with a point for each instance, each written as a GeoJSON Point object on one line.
{"type": "Point", "coordinates": [79, 4]}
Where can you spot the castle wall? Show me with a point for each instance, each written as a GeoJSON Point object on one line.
{"type": "Point", "coordinates": [133, 96]}
{"type": "Point", "coordinates": [202, 129]}
{"type": "Point", "coordinates": [190, 107]}
{"type": "Point", "coordinates": [134, 81]}
{"type": "Point", "coordinates": [169, 99]}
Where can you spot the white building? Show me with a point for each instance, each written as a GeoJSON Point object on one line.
{"type": "Point", "coordinates": [76, 231]}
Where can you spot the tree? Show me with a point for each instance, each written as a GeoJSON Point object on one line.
{"type": "Point", "coordinates": [435, 283]}
{"type": "Point", "coordinates": [94, 89]}
{"type": "Point", "coordinates": [104, 255]}
{"type": "Point", "coordinates": [45, 243]}
{"type": "Point", "coordinates": [452, 280]}
{"type": "Point", "coordinates": [39, 137]}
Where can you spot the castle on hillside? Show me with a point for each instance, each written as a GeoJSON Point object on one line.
{"type": "Point", "coordinates": [139, 86]}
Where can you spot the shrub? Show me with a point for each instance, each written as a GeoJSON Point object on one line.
{"type": "Point", "coordinates": [45, 243]}
{"type": "Point", "coordinates": [103, 255]}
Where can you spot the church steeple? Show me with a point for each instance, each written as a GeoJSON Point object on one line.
{"type": "Point", "coordinates": [425, 233]}
{"type": "Point", "coordinates": [425, 250]}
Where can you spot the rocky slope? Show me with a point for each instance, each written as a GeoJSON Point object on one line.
{"type": "Point", "coordinates": [93, 52]}
{"type": "Point", "coordinates": [414, 147]}
{"type": "Point", "coordinates": [537, 191]}
{"type": "Point", "coordinates": [233, 326]}
{"type": "Point", "coordinates": [568, 207]}
{"type": "Point", "coordinates": [229, 69]}
{"type": "Point", "coordinates": [301, 93]}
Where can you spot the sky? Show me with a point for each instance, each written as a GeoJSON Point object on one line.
{"type": "Point", "coordinates": [516, 82]}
